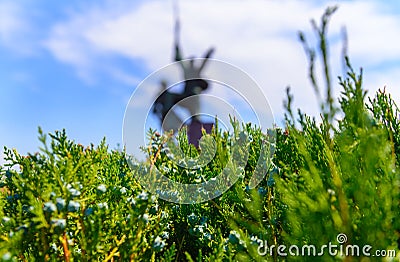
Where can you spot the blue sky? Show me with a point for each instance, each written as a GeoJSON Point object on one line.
{"type": "Point", "coordinates": [74, 64]}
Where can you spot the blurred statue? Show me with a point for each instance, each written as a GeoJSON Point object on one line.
{"type": "Point", "coordinates": [163, 105]}
{"type": "Point", "coordinates": [194, 85]}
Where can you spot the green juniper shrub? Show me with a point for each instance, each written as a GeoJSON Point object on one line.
{"type": "Point", "coordinates": [335, 178]}
{"type": "Point", "coordinates": [386, 112]}
{"type": "Point", "coordinates": [75, 203]}
{"type": "Point", "coordinates": [202, 230]}
{"type": "Point", "coordinates": [328, 177]}
{"type": "Point", "coordinates": [348, 180]}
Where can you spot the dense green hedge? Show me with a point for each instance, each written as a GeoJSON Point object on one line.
{"type": "Point", "coordinates": [328, 177]}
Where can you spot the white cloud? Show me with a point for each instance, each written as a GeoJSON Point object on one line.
{"type": "Point", "coordinates": [16, 31]}
{"type": "Point", "coordinates": [390, 80]}
{"type": "Point", "coordinates": [68, 46]}
{"type": "Point", "coordinates": [10, 22]}
{"type": "Point", "coordinates": [258, 36]}
{"type": "Point", "coordinates": [374, 35]}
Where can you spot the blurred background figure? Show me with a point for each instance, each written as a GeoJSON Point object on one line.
{"type": "Point", "coordinates": [163, 105]}
{"type": "Point", "coordinates": [195, 84]}
{"type": "Point", "coordinates": [189, 99]}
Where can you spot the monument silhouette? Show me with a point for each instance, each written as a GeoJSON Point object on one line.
{"type": "Point", "coordinates": [189, 99]}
